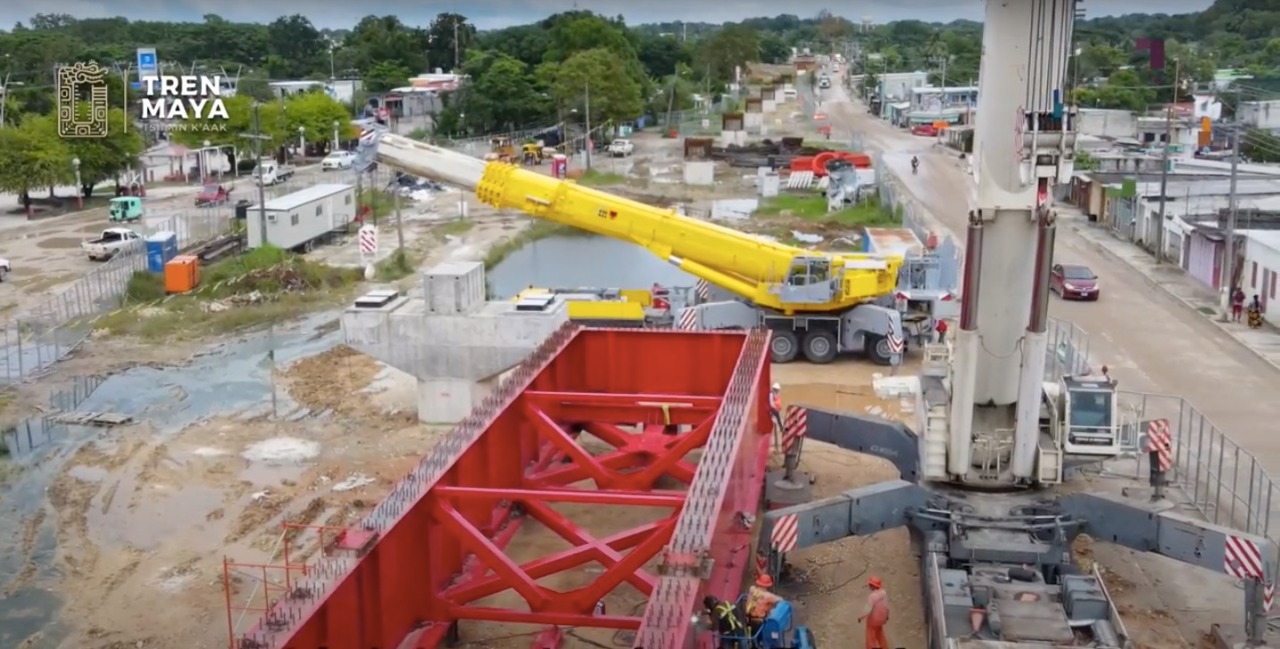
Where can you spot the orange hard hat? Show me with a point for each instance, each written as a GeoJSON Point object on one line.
{"type": "Point", "coordinates": [875, 582]}
{"type": "Point", "coordinates": [764, 581]}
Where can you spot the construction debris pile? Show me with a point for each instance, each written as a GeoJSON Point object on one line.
{"type": "Point", "coordinates": [766, 153]}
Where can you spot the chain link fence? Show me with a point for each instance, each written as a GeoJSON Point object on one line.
{"type": "Point", "coordinates": [33, 341]}
{"type": "Point", "coordinates": [1219, 479]}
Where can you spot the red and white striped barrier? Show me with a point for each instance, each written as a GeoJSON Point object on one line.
{"type": "Point", "coordinates": [1243, 559]}
{"type": "Point", "coordinates": [795, 425]}
{"type": "Point", "coordinates": [786, 533]}
{"type": "Point", "coordinates": [1160, 442]}
{"type": "Point", "coordinates": [688, 320]}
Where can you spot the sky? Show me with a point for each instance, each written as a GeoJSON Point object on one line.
{"type": "Point", "coordinates": [490, 14]}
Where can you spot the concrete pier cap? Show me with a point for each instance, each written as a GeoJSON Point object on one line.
{"type": "Point", "coordinates": [456, 343]}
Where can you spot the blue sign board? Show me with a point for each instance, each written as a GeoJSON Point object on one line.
{"type": "Point", "coordinates": [148, 65]}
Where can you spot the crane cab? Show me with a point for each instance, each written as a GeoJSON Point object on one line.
{"type": "Point", "coordinates": [1080, 412]}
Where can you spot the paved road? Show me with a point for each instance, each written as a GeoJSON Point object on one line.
{"type": "Point", "coordinates": [1151, 342]}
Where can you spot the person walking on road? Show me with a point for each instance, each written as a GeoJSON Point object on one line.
{"type": "Point", "coordinates": [876, 615]}
{"type": "Point", "coordinates": [941, 328]}
{"type": "Point", "coordinates": [1237, 304]}
{"type": "Point", "coordinates": [1255, 313]}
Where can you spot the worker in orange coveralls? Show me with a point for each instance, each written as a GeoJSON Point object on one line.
{"type": "Point", "coordinates": [760, 602]}
{"type": "Point", "coordinates": [876, 615]}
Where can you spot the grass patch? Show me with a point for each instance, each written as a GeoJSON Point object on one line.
{"type": "Point", "coordinates": [455, 228]}
{"type": "Point", "coordinates": [539, 230]}
{"type": "Point", "coordinates": [379, 202]}
{"type": "Point", "coordinates": [868, 213]}
{"type": "Point", "coordinates": [396, 266]}
{"type": "Point", "coordinates": [264, 285]}
{"type": "Point", "coordinates": [597, 178]}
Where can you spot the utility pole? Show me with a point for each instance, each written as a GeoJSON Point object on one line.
{"type": "Point", "coordinates": [1164, 165]}
{"type": "Point", "coordinates": [588, 108]}
{"type": "Point", "coordinates": [1229, 260]}
{"type": "Point", "coordinates": [399, 224]}
{"type": "Point", "coordinates": [257, 138]}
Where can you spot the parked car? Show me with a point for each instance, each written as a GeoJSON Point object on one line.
{"type": "Point", "coordinates": [927, 130]}
{"type": "Point", "coordinates": [109, 244]}
{"type": "Point", "coordinates": [212, 194]}
{"type": "Point", "coordinates": [338, 160]}
{"type": "Point", "coordinates": [4, 268]}
{"type": "Point", "coordinates": [125, 209]}
{"type": "Point", "coordinates": [1074, 282]}
{"type": "Point", "coordinates": [621, 148]}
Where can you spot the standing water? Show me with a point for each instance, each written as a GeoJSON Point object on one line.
{"type": "Point", "coordinates": [582, 262]}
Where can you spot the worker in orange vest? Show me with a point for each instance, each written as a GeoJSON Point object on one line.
{"type": "Point", "coordinates": [760, 602]}
{"type": "Point", "coordinates": [876, 615]}
{"type": "Point", "coordinates": [775, 410]}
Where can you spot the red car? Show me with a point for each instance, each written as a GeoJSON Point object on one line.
{"type": "Point", "coordinates": [1074, 282]}
{"type": "Point", "coordinates": [927, 130]}
{"type": "Point", "coordinates": [211, 195]}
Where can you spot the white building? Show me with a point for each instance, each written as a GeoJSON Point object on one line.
{"type": "Point", "coordinates": [342, 90]}
{"type": "Point", "coordinates": [1261, 267]}
{"type": "Point", "coordinates": [1260, 114]}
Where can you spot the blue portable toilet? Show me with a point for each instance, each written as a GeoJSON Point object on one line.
{"type": "Point", "coordinates": [161, 247]}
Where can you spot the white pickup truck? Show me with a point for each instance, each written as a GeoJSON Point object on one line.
{"type": "Point", "coordinates": [621, 148]}
{"type": "Point", "coordinates": [270, 172]}
{"type": "Point", "coordinates": [112, 241]}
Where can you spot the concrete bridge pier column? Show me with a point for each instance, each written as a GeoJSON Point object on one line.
{"type": "Point", "coordinates": [451, 339]}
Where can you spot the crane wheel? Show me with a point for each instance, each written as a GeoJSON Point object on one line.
{"type": "Point", "coordinates": [820, 347]}
{"type": "Point", "coordinates": [876, 348]}
{"type": "Point", "coordinates": [784, 347]}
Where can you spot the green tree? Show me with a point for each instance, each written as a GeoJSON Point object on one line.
{"type": "Point", "coordinates": [503, 95]}
{"type": "Point", "coordinates": [296, 46]}
{"type": "Point", "coordinates": [1259, 145]}
{"type": "Point", "coordinates": [33, 157]}
{"type": "Point", "coordinates": [728, 49]}
{"type": "Point", "coordinates": [614, 95]}
{"type": "Point", "coordinates": [1123, 90]}
{"type": "Point", "coordinates": [385, 76]}
{"type": "Point", "coordinates": [232, 132]}
{"type": "Point", "coordinates": [448, 38]}
{"type": "Point", "coordinates": [316, 112]}
{"type": "Point", "coordinates": [376, 40]}
{"type": "Point", "coordinates": [104, 158]}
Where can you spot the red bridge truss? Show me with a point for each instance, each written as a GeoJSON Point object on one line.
{"type": "Point", "coordinates": [431, 560]}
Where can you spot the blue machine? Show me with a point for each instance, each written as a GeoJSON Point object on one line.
{"type": "Point", "coordinates": [161, 247]}
{"type": "Point", "coordinates": [777, 631]}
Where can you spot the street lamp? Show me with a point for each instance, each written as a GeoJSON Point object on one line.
{"type": "Point", "coordinates": [204, 160]}
{"type": "Point", "coordinates": [335, 135]}
{"type": "Point", "coordinates": [75, 164]}
{"type": "Point", "coordinates": [302, 142]}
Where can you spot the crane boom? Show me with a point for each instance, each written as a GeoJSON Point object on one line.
{"type": "Point", "coordinates": [1023, 145]}
{"type": "Point", "coordinates": [769, 274]}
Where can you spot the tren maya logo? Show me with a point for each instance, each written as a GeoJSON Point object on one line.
{"type": "Point", "coordinates": [166, 104]}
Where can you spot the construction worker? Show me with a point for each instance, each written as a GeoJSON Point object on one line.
{"type": "Point", "coordinates": [775, 410]}
{"type": "Point", "coordinates": [876, 615]}
{"type": "Point", "coordinates": [728, 621]}
{"type": "Point", "coordinates": [760, 602]}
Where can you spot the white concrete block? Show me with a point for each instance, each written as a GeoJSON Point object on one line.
{"type": "Point", "coordinates": [769, 106]}
{"type": "Point", "coordinates": [701, 172]}
{"type": "Point", "coordinates": [449, 401]}
{"type": "Point", "coordinates": [454, 287]}
{"type": "Point", "coordinates": [752, 122]}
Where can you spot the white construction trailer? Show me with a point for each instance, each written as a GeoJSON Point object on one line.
{"type": "Point", "coordinates": [300, 220]}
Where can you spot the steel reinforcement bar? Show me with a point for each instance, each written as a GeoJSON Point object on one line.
{"type": "Point", "coordinates": [712, 545]}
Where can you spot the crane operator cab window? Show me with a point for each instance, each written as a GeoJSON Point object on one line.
{"type": "Point", "coordinates": [809, 281]}
{"type": "Point", "coordinates": [1091, 417]}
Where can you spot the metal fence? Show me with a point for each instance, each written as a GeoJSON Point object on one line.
{"type": "Point", "coordinates": [33, 341]}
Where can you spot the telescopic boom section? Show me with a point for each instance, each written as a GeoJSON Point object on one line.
{"type": "Point", "coordinates": [749, 266]}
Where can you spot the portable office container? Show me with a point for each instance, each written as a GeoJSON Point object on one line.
{"type": "Point", "coordinates": [304, 218]}
{"type": "Point", "coordinates": [182, 274]}
{"type": "Point", "coordinates": [161, 247]}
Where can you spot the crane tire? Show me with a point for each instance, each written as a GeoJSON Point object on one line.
{"type": "Point", "coordinates": [820, 347]}
{"type": "Point", "coordinates": [876, 348]}
{"type": "Point", "coordinates": [783, 347]}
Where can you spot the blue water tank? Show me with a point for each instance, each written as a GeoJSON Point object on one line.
{"type": "Point", "coordinates": [161, 247]}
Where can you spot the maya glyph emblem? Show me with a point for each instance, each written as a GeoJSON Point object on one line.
{"type": "Point", "coordinates": [82, 101]}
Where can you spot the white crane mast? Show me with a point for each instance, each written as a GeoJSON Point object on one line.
{"type": "Point", "coordinates": [1023, 145]}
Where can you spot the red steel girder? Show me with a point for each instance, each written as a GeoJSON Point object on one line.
{"type": "Point", "coordinates": [438, 540]}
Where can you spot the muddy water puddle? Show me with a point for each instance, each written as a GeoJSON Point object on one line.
{"type": "Point", "coordinates": [232, 382]}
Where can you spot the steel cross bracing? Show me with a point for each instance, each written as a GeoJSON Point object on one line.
{"type": "Point", "coordinates": [435, 547]}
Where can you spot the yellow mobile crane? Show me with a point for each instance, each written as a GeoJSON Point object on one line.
{"type": "Point", "coordinates": [817, 303]}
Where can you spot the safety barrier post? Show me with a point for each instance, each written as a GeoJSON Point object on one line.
{"type": "Point", "coordinates": [1160, 455]}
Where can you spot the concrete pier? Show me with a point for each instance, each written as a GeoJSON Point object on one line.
{"type": "Point", "coordinates": [451, 339]}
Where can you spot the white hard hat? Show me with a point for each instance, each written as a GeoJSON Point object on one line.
{"type": "Point", "coordinates": [776, 386]}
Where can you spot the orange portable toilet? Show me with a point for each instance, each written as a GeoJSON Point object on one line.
{"type": "Point", "coordinates": [181, 274]}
